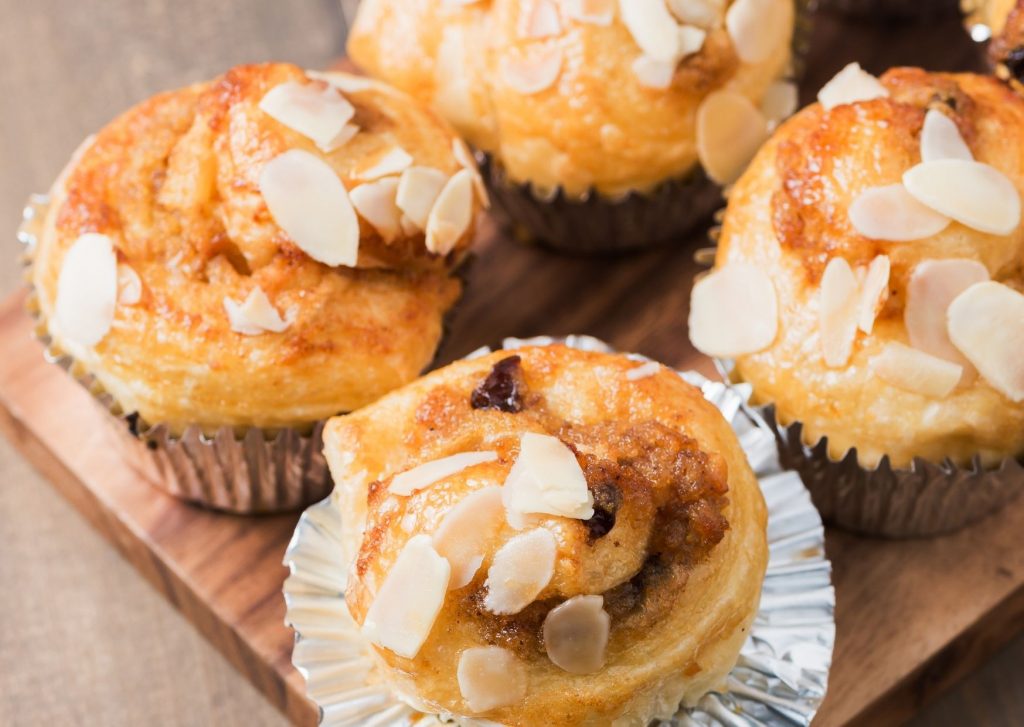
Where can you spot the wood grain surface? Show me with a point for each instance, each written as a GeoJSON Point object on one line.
{"type": "Point", "coordinates": [913, 617]}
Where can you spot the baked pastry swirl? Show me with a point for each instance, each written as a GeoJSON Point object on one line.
{"type": "Point", "coordinates": [549, 536]}
{"type": "Point", "coordinates": [868, 280]}
{"type": "Point", "coordinates": [265, 249]}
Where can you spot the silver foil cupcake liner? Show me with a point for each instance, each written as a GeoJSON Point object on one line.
{"type": "Point", "coordinates": [782, 673]}
{"type": "Point", "coordinates": [921, 500]}
{"type": "Point", "coordinates": [244, 471]}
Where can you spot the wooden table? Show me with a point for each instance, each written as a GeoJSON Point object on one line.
{"type": "Point", "coordinates": [638, 303]}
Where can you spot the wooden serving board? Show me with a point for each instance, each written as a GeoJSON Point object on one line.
{"type": "Point", "coordinates": [912, 617]}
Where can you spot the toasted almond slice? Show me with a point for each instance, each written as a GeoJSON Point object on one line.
{"type": "Point", "coordinates": [521, 569]}
{"type": "Point", "coordinates": [87, 290]}
{"type": "Point", "coordinates": [691, 40]}
{"type": "Point", "coordinates": [653, 28]}
{"type": "Point", "coordinates": [547, 478]}
{"type": "Point", "coordinates": [394, 161]}
{"type": "Point", "coordinates": [346, 82]}
{"type": "Point", "coordinates": [705, 14]}
{"type": "Point", "coordinates": [757, 27]}
{"type": "Point", "coordinates": [465, 159]}
{"type": "Point", "coordinates": [452, 213]}
{"type": "Point", "coordinates": [129, 285]}
{"type": "Point", "coordinates": [730, 130]}
{"type": "Point", "coordinates": [537, 72]}
{"type": "Point", "coordinates": [465, 531]}
{"type": "Point", "coordinates": [892, 213]}
{"type": "Point", "coordinates": [595, 12]}
{"type": "Point", "coordinates": [986, 322]}
{"type": "Point", "coordinates": [916, 371]}
{"type": "Point", "coordinates": [255, 315]}
{"type": "Point", "coordinates": [318, 111]}
{"type": "Point", "coordinates": [540, 21]}
{"type": "Point", "coordinates": [941, 139]}
{"type": "Point", "coordinates": [404, 610]}
{"type": "Point", "coordinates": [308, 201]}
{"type": "Point", "coordinates": [733, 311]}
{"type": "Point", "coordinates": [838, 310]}
{"type": "Point", "coordinates": [576, 634]}
{"type": "Point", "coordinates": [491, 677]}
{"type": "Point", "coordinates": [417, 191]}
{"type": "Point", "coordinates": [973, 194]}
{"type": "Point", "coordinates": [643, 371]}
{"type": "Point", "coordinates": [779, 102]}
{"type": "Point", "coordinates": [652, 73]}
{"type": "Point", "coordinates": [375, 203]}
{"type": "Point", "coordinates": [933, 285]}
{"type": "Point", "coordinates": [425, 475]}
{"type": "Point", "coordinates": [874, 291]}
{"type": "Point", "coordinates": [851, 85]}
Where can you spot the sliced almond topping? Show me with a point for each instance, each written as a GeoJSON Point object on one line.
{"type": "Point", "coordinates": [780, 101]}
{"type": "Point", "coordinates": [973, 194]}
{"type": "Point", "coordinates": [394, 161]}
{"type": "Point", "coordinates": [595, 12]}
{"type": "Point", "coordinates": [576, 634]}
{"type": "Point", "coordinates": [874, 291]}
{"type": "Point", "coordinates": [255, 315]}
{"type": "Point", "coordinates": [940, 139]}
{"type": "Point", "coordinates": [933, 285]}
{"type": "Point", "coordinates": [87, 290]}
{"type": "Point", "coordinates": [733, 311]}
{"type": "Point", "coordinates": [986, 322]}
{"type": "Point", "coordinates": [757, 27]}
{"type": "Point", "coordinates": [375, 203]}
{"type": "Point", "coordinates": [417, 191]}
{"type": "Point", "coordinates": [691, 40]}
{"type": "Point", "coordinates": [838, 312]}
{"type": "Point", "coordinates": [537, 72]}
{"type": "Point", "coordinates": [546, 478]}
{"type": "Point", "coordinates": [318, 111]}
{"type": "Point", "coordinates": [345, 82]}
{"type": "Point", "coordinates": [643, 371]}
{"type": "Point", "coordinates": [129, 285]}
{"type": "Point", "coordinates": [491, 677]}
{"type": "Point", "coordinates": [850, 85]}
{"type": "Point", "coordinates": [465, 159]}
{"type": "Point", "coordinates": [465, 531]}
{"type": "Point", "coordinates": [653, 73]}
{"type": "Point", "coordinates": [452, 213]}
{"type": "Point", "coordinates": [916, 371]}
{"type": "Point", "coordinates": [653, 28]}
{"type": "Point", "coordinates": [308, 201]}
{"type": "Point", "coordinates": [408, 482]}
{"type": "Point", "coordinates": [701, 13]}
{"type": "Point", "coordinates": [540, 21]}
{"type": "Point", "coordinates": [892, 213]}
{"type": "Point", "coordinates": [730, 130]}
{"type": "Point", "coordinates": [521, 569]}
{"type": "Point", "coordinates": [406, 606]}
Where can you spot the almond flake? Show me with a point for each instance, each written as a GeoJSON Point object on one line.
{"type": "Point", "coordinates": [417, 191]}
{"type": "Point", "coordinates": [653, 28]}
{"type": "Point", "coordinates": [733, 311]}
{"type": "Point", "coordinates": [851, 85]}
{"type": "Point", "coordinates": [375, 203]}
{"type": "Point", "coordinates": [941, 139]}
{"type": "Point", "coordinates": [521, 569]}
{"type": "Point", "coordinates": [730, 130]}
{"type": "Point", "coordinates": [394, 161]}
{"type": "Point", "coordinates": [576, 634]}
{"type": "Point", "coordinates": [892, 213]}
{"type": "Point", "coordinates": [129, 285]}
{"type": "Point", "coordinates": [452, 213]}
{"type": "Point", "coordinates": [541, 21]}
{"type": "Point", "coordinates": [317, 111]}
{"type": "Point", "coordinates": [403, 613]}
{"type": "Point", "coordinates": [345, 82]}
{"type": "Point", "coordinates": [465, 159]}
{"type": "Point", "coordinates": [691, 40]}
{"type": "Point", "coordinates": [546, 478]}
{"type": "Point", "coordinates": [986, 322]}
{"type": "Point", "coordinates": [535, 73]}
{"type": "Point", "coordinates": [255, 315]}
{"type": "Point", "coordinates": [425, 475]}
{"type": "Point", "coordinates": [932, 286]}
{"type": "Point", "coordinates": [308, 201]}
{"type": "Point", "coordinates": [595, 12]}
{"type": "Point", "coordinates": [465, 531]}
{"type": "Point", "coordinates": [838, 312]}
{"type": "Point", "coordinates": [701, 13]}
{"type": "Point", "coordinates": [643, 371]}
{"type": "Point", "coordinates": [757, 27]}
{"type": "Point", "coordinates": [87, 290]}
{"type": "Point", "coordinates": [779, 102]}
{"type": "Point", "coordinates": [973, 194]}
{"type": "Point", "coordinates": [874, 291]}
{"type": "Point", "coordinates": [916, 371]}
{"type": "Point", "coordinates": [652, 73]}
{"type": "Point", "coordinates": [491, 677]}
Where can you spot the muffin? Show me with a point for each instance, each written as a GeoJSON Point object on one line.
{"type": "Point", "coordinates": [868, 286]}
{"type": "Point", "coordinates": [548, 536]}
{"type": "Point", "coordinates": [603, 126]}
{"type": "Point", "coordinates": [237, 260]}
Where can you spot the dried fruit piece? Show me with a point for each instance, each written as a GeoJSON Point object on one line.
{"type": "Point", "coordinates": [838, 312]}
{"type": "Point", "coordinates": [521, 569]}
{"type": "Point", "coordinates": [315, 110]}
{"type": "Point", "coordinates": [916, 371]}
{"type": "Point", "coordinates": [255, 315]}
{"type": "Point", "coordinates": [576, 634]}
{"type": "Point", "coordinates": [973, 194]}
{"type": "Point", "coordinates": [417, 478]}
{"type": "Point", "coordinates": [465, 531]}
{"type": "Point", "coordinates": [941, 139]}
{"type": "Point", "coordinates": [375, 203]}
{"type": "Point", "coordinates": [851, 85]}
{"type": "Point", "coordinates": [500, 390]}
{"type": "Point", "coordinates": [757, 27]}
{"type": "Point", "coordinates": [892, 213]}
{"type": "Point", "coordinates": [546, 478]}
{"type": "Point", "coordinates": [986, 322]}
{"type": "Point", "coordinates": [730, 130]}
{"type": "Point", "coordinates": [451, 214]}
{"type": "Point", "coordinates": [87, 290]}
{"type": "Point", "coordinates": [733, 311]}
{"type": "Point", "coordinates": [932, 286]}
{"type": "Point", "coordinates": [491, 677]}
